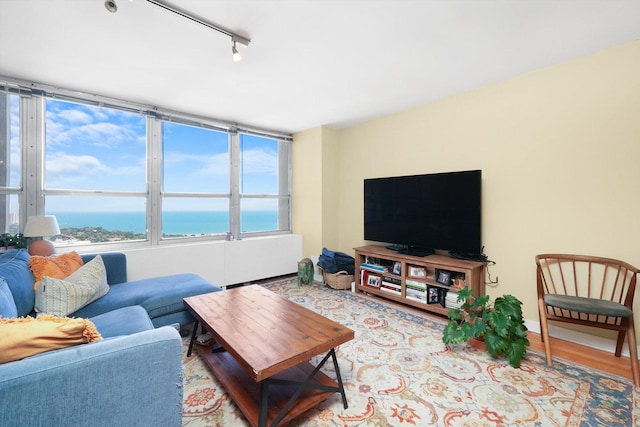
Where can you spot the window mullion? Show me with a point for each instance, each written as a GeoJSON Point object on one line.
{"type": "Point", "coordinates": [5, 156]}
{"type": "Point", "coordinates": [154, 180]}
{"type": "Point", "coordinates": [32, 140]}
{"type": "Point", "coordinates": [234, 183]}
{"type": "Point", "coordinates": [284, 185]}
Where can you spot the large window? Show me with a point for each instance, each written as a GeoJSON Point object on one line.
{"type": "Point", "coordinates": [95, 172]}
{"type": "Point", "coordinates": [264, 185]}
{"type": "Point", "coordinates": [216, 182]}
{"type": "Point", "coordinates": [196, 190]}
{"type": "Point", "coordinates": [113, 172]}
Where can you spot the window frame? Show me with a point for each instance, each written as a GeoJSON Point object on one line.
{"type": "Point", "coordinates": [284, 187]}
{"type": "Point", "coordinates": [157, 182]}
{"type": "Point", "coordinates": [33, 191]}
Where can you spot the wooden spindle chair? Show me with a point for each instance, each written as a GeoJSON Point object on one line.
{"type": "Point", "coordinates": [590, 291]}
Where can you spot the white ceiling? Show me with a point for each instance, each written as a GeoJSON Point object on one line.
{"type": "Point", "coordinates": [310, 62]}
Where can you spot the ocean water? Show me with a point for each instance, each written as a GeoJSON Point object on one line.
{"type": "Point", "coordinates": [175, 222]}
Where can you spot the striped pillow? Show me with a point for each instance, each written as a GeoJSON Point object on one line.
{"type": "Point", "coordinates": [61, 297]}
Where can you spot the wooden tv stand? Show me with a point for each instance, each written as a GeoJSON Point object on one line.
{"type": "Point", "coordinates": [421, 282]}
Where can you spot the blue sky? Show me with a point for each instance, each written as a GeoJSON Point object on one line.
{"type": "Point", "coordinates": [93, 148]}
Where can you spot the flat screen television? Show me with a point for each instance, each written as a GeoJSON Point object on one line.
{"type": "Point", "coordinates": [421, 213]}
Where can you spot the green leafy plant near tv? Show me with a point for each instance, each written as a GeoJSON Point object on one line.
{"type": "Point", "coordinates": [499, 324]}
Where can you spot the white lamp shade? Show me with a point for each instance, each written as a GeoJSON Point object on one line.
{"type": "Point", "coordinates": [39, 226]}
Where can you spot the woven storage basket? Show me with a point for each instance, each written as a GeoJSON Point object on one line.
{"type": "Point", "coordinates": [340, 280]}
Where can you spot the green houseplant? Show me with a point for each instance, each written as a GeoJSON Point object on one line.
{"type": "Point", "coordinates": [8, 241]}
{"type": "Point", "coordinates": [499, 324]}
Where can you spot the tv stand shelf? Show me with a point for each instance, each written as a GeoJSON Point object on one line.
{"type": "Point", "coordinates": [418, 281]}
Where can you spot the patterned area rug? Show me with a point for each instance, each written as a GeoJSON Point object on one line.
{"type": "Point", "coordinates": [397, 372]}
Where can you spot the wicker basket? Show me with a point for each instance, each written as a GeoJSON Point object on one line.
{"type": "Point", "coordinates": [340, 280]}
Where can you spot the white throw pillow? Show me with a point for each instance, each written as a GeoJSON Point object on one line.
{"type": "Point", "coordinates": [61, 297]}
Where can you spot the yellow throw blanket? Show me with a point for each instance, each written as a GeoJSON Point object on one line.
{"type": "Point", "coordinates": [26, 336]}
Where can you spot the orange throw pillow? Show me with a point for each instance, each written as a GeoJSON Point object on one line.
{"type": "Point", "coordinates": [57, 267]}
{"type": "Point", "coordinates": [26, 336]}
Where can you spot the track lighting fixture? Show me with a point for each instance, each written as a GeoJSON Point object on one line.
{"type": "Point", "coordinates": [236, 55]}
{"type": "Point", "coordinates": [111, 6]}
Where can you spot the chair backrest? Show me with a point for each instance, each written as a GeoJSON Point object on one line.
{"type": "Point", "coordinates": [586, 276]}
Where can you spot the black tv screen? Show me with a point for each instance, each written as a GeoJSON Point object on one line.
{"type": "Point", "coordinates": [426, 212]}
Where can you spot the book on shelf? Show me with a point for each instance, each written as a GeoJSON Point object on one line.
{"type": "Point", "coordinates": [417, 295]}
{"type": "Point", "coordinates": [392, 280]}
{"type": "Point", "coordinates": [451, 300]}
{"type": "Point", "coordinates": [390, 290]}
{"type": "Point", "coordinates": [422, 292]}
{"type": "Point", "coordinates": [412, 298]}
{"type": "Point", "coordinates": [415, 285]}
{"type": "Point", "coordinates": [391, 285]}
{"type": "Point", "coordinates": [374, 267]}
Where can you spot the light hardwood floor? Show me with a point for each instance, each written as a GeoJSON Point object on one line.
{"type": "Point", "coordinates": [584, 355]}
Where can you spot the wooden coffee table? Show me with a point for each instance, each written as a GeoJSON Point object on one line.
{"type": "Point", "coordinates": [269, 341]}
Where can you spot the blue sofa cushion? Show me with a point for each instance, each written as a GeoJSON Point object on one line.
{"type": "Point", "coordinates": [7, 304]}
{"type": "Point", "coordinates": [114, 262]}
{"type": "Point", "coordinates": [123, 321]}
{"type": "Point", "coordinates": [14, 268]}
{"type": "Point", "coordinates": [159, 296]}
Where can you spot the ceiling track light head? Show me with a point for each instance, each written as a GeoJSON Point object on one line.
{"type": "Point", "coordinates": [236, 55]}
{"type": "Point", "coordinates": [111, 6]}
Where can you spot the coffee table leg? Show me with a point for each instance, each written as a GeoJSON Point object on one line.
{"type": "Point", "coordinates": [301, 386]}
{"type": "Point", "coordinates": [194, 333]}
{"type": "Point", "coordinates": [339, 378]}
{"type": "Point", "coordinates": [264, 403]}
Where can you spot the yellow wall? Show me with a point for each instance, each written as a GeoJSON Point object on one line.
{"type": "Point", "coordinates": [306, 203]}
{"type": "Point", "coordinates": [559, 150]}
{"type": "Point", "coordinates": [315, 175]}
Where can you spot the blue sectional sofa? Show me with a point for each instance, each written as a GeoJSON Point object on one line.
{"type": "Point", "coordinates": [133, 376]}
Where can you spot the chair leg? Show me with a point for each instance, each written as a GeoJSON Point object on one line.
{"type": "Point", "coordinates": [544, 326]}
{"type": "Point", "coordinates": [633, 354]}
{"type": "Point", "coordinates": [620, 342]}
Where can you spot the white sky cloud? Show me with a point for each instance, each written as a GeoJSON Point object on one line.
{"type": "Point", "coordinates": [96, 134]}
{"type": "Point", "coordinates": [259, 162]}
{"type": "Point", "coordinates": [70, 164]}
{"type": "Point", "coordinates": [75, 116]}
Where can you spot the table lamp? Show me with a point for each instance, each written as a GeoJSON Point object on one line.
{"type": "Point", "coordinates": [41, 226]}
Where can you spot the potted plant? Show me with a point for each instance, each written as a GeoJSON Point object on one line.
{"type": "Point", "coordinates": [11, 241]}
{"type": "Point", "coordinates": [499, 324]}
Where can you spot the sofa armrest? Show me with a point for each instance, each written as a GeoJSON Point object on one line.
{"type": "Point", "coordinates": [114, 262]}
{"type": "Point", "coordinates": [123, 381]}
